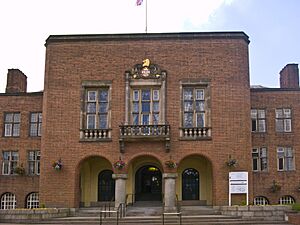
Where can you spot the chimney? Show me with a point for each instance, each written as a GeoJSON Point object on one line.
{"type": "Point", "coordinates": [289, 76]}
{"type": "Point", "coordinates": [16, 81]}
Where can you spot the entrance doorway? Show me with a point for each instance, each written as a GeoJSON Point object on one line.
{"type": "Point", "coordinates": [106, 186]}
{"type": "Point", "coordinates": [190, 184]}
{"type": "Point", "coordinates": [148, 184]}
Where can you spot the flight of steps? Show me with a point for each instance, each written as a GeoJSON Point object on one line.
{"type": "Point", "coordinates": [151, 215]}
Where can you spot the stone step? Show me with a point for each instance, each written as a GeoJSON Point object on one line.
{"type": "Point", "coordinates": [157, 220]}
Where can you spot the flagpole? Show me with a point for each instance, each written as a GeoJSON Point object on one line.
{"type": "Point", "coordinates": [146, 29]}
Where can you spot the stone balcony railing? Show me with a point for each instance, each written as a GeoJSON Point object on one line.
{"type": "Point", "coordinates": [130, 133]}
{"type": "Point", "coordinates": [95, 134]}
{"type": "Point", "coordinates": [195, 132]}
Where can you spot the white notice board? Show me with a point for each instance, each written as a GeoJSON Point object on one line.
{"type": "Point", "coordinates": [238, 184]}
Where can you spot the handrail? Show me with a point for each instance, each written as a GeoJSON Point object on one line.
{"type": "Point", "coordinates": [120, 213]}
{"type": "Point", "coordinates": [177, 213]}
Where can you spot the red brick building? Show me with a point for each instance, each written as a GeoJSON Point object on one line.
{"type": "Point", "coordinates": [137, 117]}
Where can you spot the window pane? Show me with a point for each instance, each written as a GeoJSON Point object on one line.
{"type": "Point", "coordinates": [103, 95]}
{"type": "Point", "coordinates": [31, 168]}
{"type": "Point", "coordinates": [199, 106]}
{"type": "Point", "coordinates": [287, 113]}
{"type": "Point", "coordinates": [145, 95]}
{"type": "Point", "coordinates": [279, 125]}
{"type": "Point", "coordinates": [155, 95]}
{"type": "Point", "coordinates": [188, 120]}
{"type": "Point", "coordinates": [254, 127]}
{"type": "Point", "coordinates": [103, 107]}
{"type": "Point", "coordinates": [200, 119]}
{"type": "Point", "coordinates": [287, 125]}
{"type": "Point", "coordinates": [40, 129]}
{"type": "Point", "coordinates": [14, 156]}
{"type": "Point", "coordinates": [33, 129]}
{"type": "Point", "coordinates": [289, 164]}
{"type": "Point", "coordinates": [264, 164]}
{"type": "Point", "coordinates": [255, 164]}
{"type": "Point", "coordinates": [155, 119]}
{"type": "Point", "coordinates": [135, 95]}
{"type": "Point", "coordinates": [6, 155]}
{"type": "Point", "coordinates": [34, 117]}
{"type": "Point", "coordinates": [145, 119]}
{"type": "Point", "coordinates": [91, 122]}
{"type": "Point", "coordinates": [199, 94]}
{"type": "Point", "coordinates": [188, 106]}
{"type": "Point", "coordinates": [17, 117]}
{"type": "Point", "coordinates": [135, 118]}
{"type": "Point", "coordinates": [261, 125]}
{"type": "Point", "coordinates": [8, 130]}
{"type": "Point", "coordinates": [16, 130]}
{"type": "Point", "coordinates": [9, 117]}
{"type": "Point", "coordinates": [155, 106]}
{"type": "Point", "coordinates": [261, 114]}
{"type": "Point", "coordinates": [136, 107]}
{"type": "Point", "coordinates": [5, 168]}
{"type": "Point", "coordinates": [188, 94]}
{"type": "Point", "coordinates": [279, 113]}
{"type": "Point", "coordinates": [91, 108]}
{"type": "Point", "coordinates": [253, 113]}
{"type": "Point", "coordinates": [103, 121]}
{"type": "Point", "coordinates": [280, 164]}
{"type": "Point", "coordinates": [92, 96]}
{"type": "Point", "coordinates": [145, 106]}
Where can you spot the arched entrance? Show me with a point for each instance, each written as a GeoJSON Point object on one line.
{"type": "Point", "coordinates": [148, 184]}
{"type": "Point", "coordinates": [106, 186]}
{"type": "Point", "coordinates": [190, 184]}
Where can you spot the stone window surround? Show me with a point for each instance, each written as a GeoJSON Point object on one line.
{"type": "Point", "coordinates": [94, 84]}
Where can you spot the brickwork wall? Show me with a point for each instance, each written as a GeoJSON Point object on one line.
{"type": "Point", "coordinates": [21, 186]}
{"type": "Point", "coordinates": [289, 180]}
{"type": "Point", "coordinates": [222, 60]}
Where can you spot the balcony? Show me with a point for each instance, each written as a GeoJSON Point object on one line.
{"type": "Point", "coordinates": [95, 134]}
{"type": "Point", "coordinates": [129, 133]}
{"type": "Point", "coordinates": [195, 133]}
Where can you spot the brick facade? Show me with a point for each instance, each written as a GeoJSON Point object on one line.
{"type": "Point", "coordinates": [217, 62]}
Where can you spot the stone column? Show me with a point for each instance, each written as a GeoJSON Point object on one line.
{"type": "Point", "coordinates": [170, 191]}
{"type": "Point", "coordinates": [120, 188]}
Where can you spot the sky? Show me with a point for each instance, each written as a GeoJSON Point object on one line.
{"type": "Point", "coordinates": [272, 26]}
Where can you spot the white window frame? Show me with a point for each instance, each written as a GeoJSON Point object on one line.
{"type": "Point", "coordinates": [136, 98]}
{"type": "Point", "coordinates": [194, 99]}
{"type": "Point", "coordinates": [258, 117]}
{"type": "Point", "coordinates": [97, 114]}
{"type": "Point", "coordinates": [285, 159]}
{"type": "Point", "coordinates": [8, 201]}
{"type": "Point", "coordinates": [12, 128]}
{"type": "Point", "coordinates": [260, 154]}
{"type": "Point", "coordinates": [260, 200]}
{"type": "Point", "coordinates": [35, 131]}
{"type": "Point", "coordinates": [35, 161]}
{"type": "Point", "coordinates": [283, 117]}
{"type": "Point", "coordinates": [286, 200]}
{"type": "Point", "coordinates": [32, 200]}
{"type": "Point", "coordinates": [9, 164]}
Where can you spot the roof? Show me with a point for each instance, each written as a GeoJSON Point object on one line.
{"type": "Point", "coordinates": [148, 36]}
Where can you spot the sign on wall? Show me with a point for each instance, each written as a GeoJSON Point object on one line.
{"type": "Point", "coordinates": [238, 184]}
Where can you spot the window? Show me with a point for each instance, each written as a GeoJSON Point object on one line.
{"type": "Point", "coordinates": [12, 124]}
{"type": "Point", "coordinates": [193, 107]}
{"type": "Point", "coordinates": [35, 124]}
{"type": "Point", "coordinates": [97, 105]}
{"type": "Point", "coordinates": [34, 162]}
{"type": "Point", "coordinates": [261, 200]}
{"type": "Point", "coordinates": [283, 120]}
{"type": "Point", "coordinates": [285, 159]}
{"type": "Point", "coordinates": [145, 106]}
{"type": "Point", "coordinates": [259, 159]}
{"type": "Point", "coordinates": [258, 118]}
{"type": "Point", "coordinates": [286, 200]}
{"type": "Point", "coordinates": [10, 161]}
{"type": "Point", "coordinates": [32, 200]}
{"type": "Point", "coordinates": [8, 201]}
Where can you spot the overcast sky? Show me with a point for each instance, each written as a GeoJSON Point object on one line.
{"type": "Point", "coordinates": [272, 25]}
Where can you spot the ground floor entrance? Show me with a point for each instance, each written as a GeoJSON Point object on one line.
{"type": "Point", "coordinates": [148, 184]}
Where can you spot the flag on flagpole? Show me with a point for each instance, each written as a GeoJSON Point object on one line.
{"type": "Point", "coordinates": [139, 2]}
